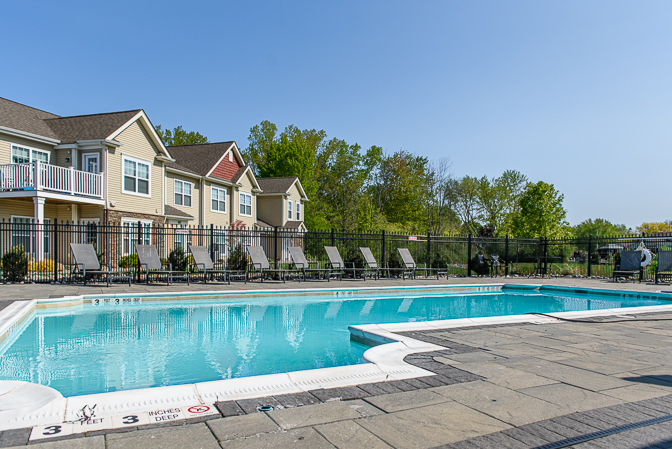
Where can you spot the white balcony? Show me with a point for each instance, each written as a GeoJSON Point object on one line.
{"type": "Point", "coordinates": [39, 176]}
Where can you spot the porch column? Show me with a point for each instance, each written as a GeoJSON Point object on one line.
{"type": "Point", "coordinates": [38, 214]}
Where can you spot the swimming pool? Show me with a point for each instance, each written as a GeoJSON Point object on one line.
{"type": "Point", "coordinates": [129, 343]}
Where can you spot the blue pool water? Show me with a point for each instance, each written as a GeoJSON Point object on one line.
{"type": "Point", "coordinates": [94, 349]}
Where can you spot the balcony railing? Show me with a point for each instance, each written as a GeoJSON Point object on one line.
{"type": "Point", "coordinates": [40, 176]}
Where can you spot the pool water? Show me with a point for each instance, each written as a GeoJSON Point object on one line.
{"type": "Point", "coordinates": [94, 349]}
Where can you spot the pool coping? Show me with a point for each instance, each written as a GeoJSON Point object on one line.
{"type": "Point", "coordinates": [386, 357]}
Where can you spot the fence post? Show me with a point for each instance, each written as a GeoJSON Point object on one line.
{"type": "Point", "coordinates": [333, 239]}
{"type": "Point", "coordinates": [137, 267]}
{"type": "Point", "coordinates": [429, 249]}
{"type": "Point", "coordinates": [590, 247]}
{"type": "Point", "coordinates": [382, 240]}
{"type": "Point", "coordinates": [546, 255]}
{"type": "Point", "coordinates": [506, 256]}
{"type": "Point", "coordinates": [55, 243]}
{"type": "Point", "coordinates": [212, 242]}
{"type": "Point", "coordinates": [469, 255]}
{"type": "Point", "coordinates": [275, 246]}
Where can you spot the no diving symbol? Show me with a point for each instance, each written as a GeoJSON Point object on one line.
{"type": "Point", "coordinates": [198, 409]}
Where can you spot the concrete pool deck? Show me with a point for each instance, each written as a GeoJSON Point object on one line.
{"type": "Point", "coordinates": [526, 385]}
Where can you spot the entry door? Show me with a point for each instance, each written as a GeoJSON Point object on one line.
{"type": "Point", "coordinates": [91, 163]}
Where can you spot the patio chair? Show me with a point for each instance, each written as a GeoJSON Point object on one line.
{"type": "Point", "coordinates": [152, 265]}
{"type": "Point", "coordinates": [337, 264]}
{"type": "Point", "coordinates": [372, 263]}
{"type": "Point", "coordinates": [664, 267]}
{"type": "Point", "coordinates": [260, 262]}
{"type": "Point", "coordinates": [412, 267]}
{"type": "Point", "coordinates": [631, 264]}
{"type": "Point", "coordinates": [302, 265]}
{"type": "Point", "coordinates": [87, 264]}
{"type": "Point", "coordinates": [202, 261]}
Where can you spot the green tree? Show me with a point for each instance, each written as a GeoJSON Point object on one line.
{"type": "Point", "coordinates": [650, 228]}
{"type": "Point", "coordinates": [179, 136]}
{"type": "Point", "coordinates": [599, 227]}
{"type": "Point", "coordinates": [464, 197]}
{"type": "Point", "coordinates": [499, 198]}
{"type": "Point", "coordinates": [541, 212]}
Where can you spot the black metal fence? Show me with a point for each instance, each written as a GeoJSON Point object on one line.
{"type": "Point", "coordinates": [48, 257]}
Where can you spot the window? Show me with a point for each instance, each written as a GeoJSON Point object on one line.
{"type": "Point", "coordinates": [130, 234]}
{"type": "Point", "coordinates": [298, 211]}
{"type": "Point", "coordinates": [218, 197]}
{"type": "Point", "coordinates": [90, 163]}
{"type": "Point", "coordinates": [245, 204]}
{"type": "Point", "coordinates": [22, 155]}
{"type": "Point", "coordinates": [90, 231]}
{"type": "Point", "coordinates": [289, 209]}
{"type": "Point", "coordinates": [183, 193]}
{"type": "Point", "coordinates": [25, 233]}
{"type": "Point", "coordinates": [136, 177]}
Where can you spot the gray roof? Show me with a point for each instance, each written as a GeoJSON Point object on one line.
{"type": "Point", "coordinates": [89, 127]}
{"type": "Point", "coordinates": [263, 224]}
{"type": "Point", "coordinates": [276, 185]}
{"type": "Point", "coordinates": [197, 159]}
{"type": "Point", "coordinates": [292, 224]}
{"type": "Point", "coordinates": [236, 177]}
{"type": "Point", "coordinates": [66, 129]}
{"type": "Point", "coordinates": [175, 212]}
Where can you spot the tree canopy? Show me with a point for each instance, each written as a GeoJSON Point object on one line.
{"type": "Point", "coordinates": [541, 212]}
{"type": "Point", "coordinates": [599, 227]}
{"type": "Point", "coordinates": [179, 136]}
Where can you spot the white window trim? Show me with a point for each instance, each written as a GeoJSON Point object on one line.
{"type": "Point", "coordinates": [136, 160]}
{"type": "Point", "coordinates": [183, 194]}
{"type": "Point", "coordinates": [131, 221]}
{"type": "Point", "coordinates": [85, 156]}
{"type": "Point", "coordinates": [251, 205]}
{"type": "Point", "coordinates": [226, 199]}
{"type": "Point", "coordinates": [30, 249]}
{"type": "Point", "coordinates": [290, 211]}
{"type": "Point", "coordinates": [298, 210]}
{"type": "Point", "coordinates": [30, 156]}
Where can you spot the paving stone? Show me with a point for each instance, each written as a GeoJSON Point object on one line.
{"type": "Point", "coordinates": [431, 426]}
{"type": "Point", "coordinates": [311, 415]}
{"type": "Point", "coordinates": [501, 440]}
{"type": "Point", "coordinates": [72, 443]}
{"type": "Point", "coordinates": [350, 435]}
{"type": "Point", "coordinates": [192, 436]}
{"type": "Point", "coordinates": [379, 388]}
{"type": "Point", "coordinates": [417, 383]}
{"type": "Point", "coordinates": [436, 381]}
{"type": "Point", "coordinates": [364, 408]}
{"type": "Point", "coordinates": [252, 405]}
{"type": "Point", "coordinates": [406, 400]}
{"type": "Point", "coordinates": [235, 427]}
{"type": "Point", "coordinates": [570, 375]}
{"type": "Point", "coordinates": [567, 421]}
{"type": "Point", "coordinates": [634, 392]}
{"type": "Point", "coordinates": [343, 393]}
{"type": "Point", "coordinates": [15, 437]}
{"type": "Point", "coordinates": [570, 398]}
{"type": "Point", "coordinates": [564, 431]}
{"type": "Point", "coordinates": [296, 399]}
{"type": "Point", "coordinates": [542, 432]}
{"type": "Point", "coordinates": [507, 405]}
{"type": "Point", "coordinates": [525, 437]}
{"type": "Point", "coordinates": [307, 438]}
{"type": "Point", "coordinates": [507, 377]}
{"type": "Point", "coordinates": [229, 408]}
{"type": "Point", "coordinates": [598, 415]}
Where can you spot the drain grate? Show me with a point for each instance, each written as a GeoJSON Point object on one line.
{"type": "Point", "coordinates": [604, 433]}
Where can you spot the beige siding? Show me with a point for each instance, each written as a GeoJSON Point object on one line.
{"type": "Point", "coordinates": [58, 158]}
{"type": "Point", "coordinates": [270, 209]}
{"type": "Point", "coordinates": [25, 208]}
{"type": "Point", "coordinates": [246, 181]}
{"type": "Point", "coordinates": [136, 143]}
{"type": "Point", "coordinates": [195, 195]}
{"type": "Point", "coordinates": [216, 218]}
{"type": "Point", "coordinates": [6, 148]}
{"type": "Point", "coordinates": [295, 196]}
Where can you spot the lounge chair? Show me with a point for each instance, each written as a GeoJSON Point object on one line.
{"type": "Point", "coordinates": [87, 264]}
{"type": "Point", "coordinates": [631, 264]}
{"type": "Point", "coordinates": [337, 264]}
{"type": "Point", "coordinates": [152, 265]}
{"type": "Point", "coordinates": [260, 262]}
{"type": "Point", "coordinates": [202, 261]}
{"type": "Point", "coordinates": [372, 263]}
{"type": "Point", "coordinates": [664, 267]}
{"type": "Point", "coordinates": [411, 267]}
{"type": "Point", "coordinates": [302, 265]}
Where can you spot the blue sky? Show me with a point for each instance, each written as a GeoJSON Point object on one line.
{"type": "Point", "coordinates": [575, 93]}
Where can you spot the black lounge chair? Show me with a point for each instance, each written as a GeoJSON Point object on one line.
{"type": "Point", "coordinates": [203, 262]}
{"type": "Point", "coordinates": [302, 265]}
{"type": "Point", "coordinates": [664, 266]}
{"type": "Point", "coordinates": [337, 264]}
{"type": "Point", "coordinates": [152, 265]}
{"type": "Point", "coordinates": [372, 264]}
{"type": "Point", "coordinates": [631, 265]}
{"type": "Point", "coordinates": [87, 264]}
{"type": "Point", "coordinates": [411, 267]}
{"type": "Point", "coordinates": [261, 264]}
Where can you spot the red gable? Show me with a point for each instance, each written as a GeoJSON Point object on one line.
{"type": "Point", "coordinates": [226, 169]}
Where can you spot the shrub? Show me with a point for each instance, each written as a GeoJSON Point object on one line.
{"type": "Point", "coordinates": [178, 259]}
{"type": "Point", "coordinates": [130, 261]}
{"type": "Point", "coordinates": [15, 264]}
{"type": "Point", "coordinates": [237, 260]}
{"type": "Point", "coordinates": [46, 265]}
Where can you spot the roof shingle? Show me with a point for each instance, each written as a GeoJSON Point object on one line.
{"type": "Point", "coordinates": [89, 127]}
{"type": "Point", "coordinates": [24, 118]}
{"type": "Point", "coordinates": [276, 185]}
{"type": "Point", "coordinates": [197, 159]}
